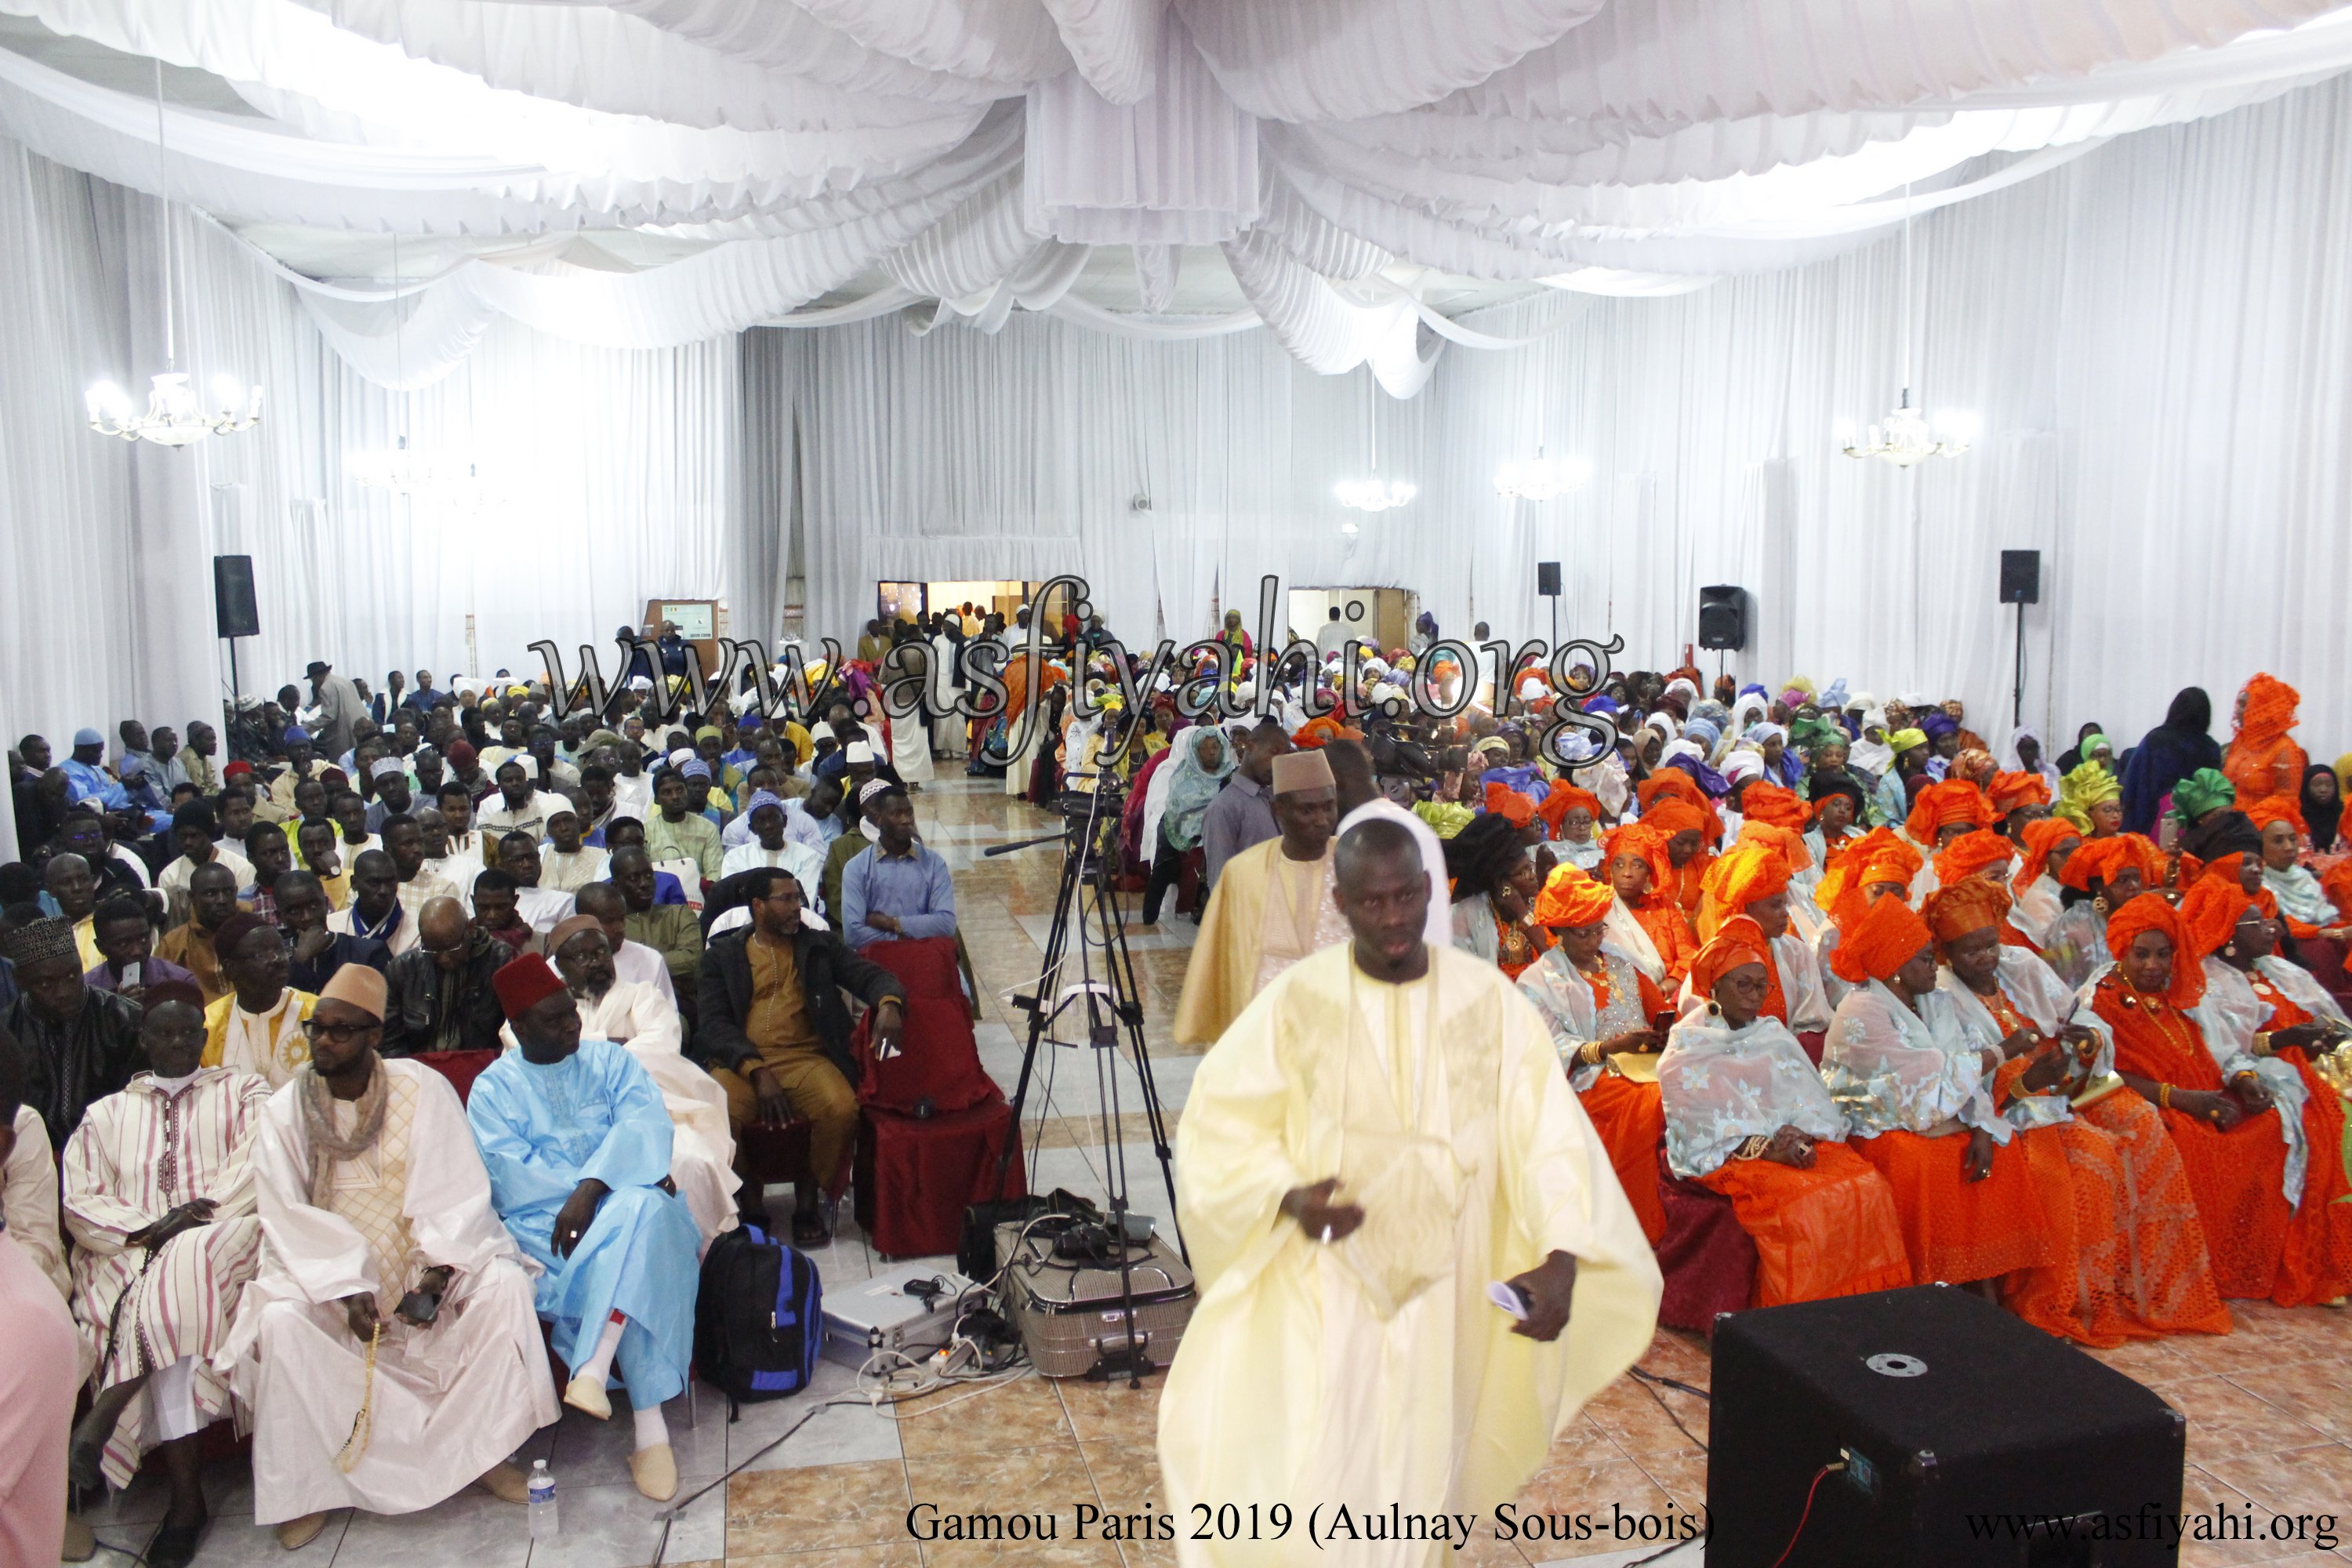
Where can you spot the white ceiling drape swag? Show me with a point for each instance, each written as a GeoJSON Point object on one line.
{"type": "Point", "coordinates": [802, 145]}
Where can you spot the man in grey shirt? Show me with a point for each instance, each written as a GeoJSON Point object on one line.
{"type": "Point", "coordinates": [340, 704]}
{"type": "Point", "coordinates": [1243, 813]}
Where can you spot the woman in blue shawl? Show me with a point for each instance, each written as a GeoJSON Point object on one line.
{"type": "Point", "coordinates": [1201, 759]}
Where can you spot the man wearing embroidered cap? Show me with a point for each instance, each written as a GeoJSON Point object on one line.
{"type": "Point", "coordinates": [388, 1348]}
{"type": "Point", "coordinates": [577, 1143]}
{"type": "Point", "coordinates": [1273, 903]}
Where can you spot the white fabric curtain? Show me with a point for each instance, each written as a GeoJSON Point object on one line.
{"type": "Point", "coordinates": [2150, 338]}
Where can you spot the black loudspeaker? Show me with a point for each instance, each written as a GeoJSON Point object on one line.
{"type": "Point", "coordinates": [1967, 1437]}
{"type": "Point", "coordinates": [1722, 616]}
{"type": "Point", "coordinates": [1548, 579]}
{"type": "Point", "coordinates": [2021, 576]}
{"type": "Point", "coordinates": [233, 606]}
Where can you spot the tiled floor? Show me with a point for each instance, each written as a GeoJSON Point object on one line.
{"type": "Point", "coordinates": [2270, 1406]}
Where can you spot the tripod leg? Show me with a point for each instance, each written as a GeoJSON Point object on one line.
{"type": "Point", "coordinates": [1041, 1006]}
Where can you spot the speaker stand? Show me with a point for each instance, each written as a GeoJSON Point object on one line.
{"type": "Point", "coordinates": [235, 691]}
{"type": "Point", "coordinates": [2017, 697]}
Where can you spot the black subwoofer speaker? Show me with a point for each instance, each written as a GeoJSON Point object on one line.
{"type": "Point", "coordinates": [233, 606]}
{"type": "Point", "coordinates": [1967, 1437]}
{"type": "Point", "coordinates": [2021, 576]}
{"type": "Point", "coordinates": [1722, 616]}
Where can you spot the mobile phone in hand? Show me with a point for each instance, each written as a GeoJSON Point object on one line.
{"type": "Point", "coordinates": [1511, 1299]}
{"type": "Point", "coordinates": [418, 1307]}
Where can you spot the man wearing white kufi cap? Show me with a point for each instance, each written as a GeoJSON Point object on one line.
{"type": "Point", "coordinates": [1271, 904]}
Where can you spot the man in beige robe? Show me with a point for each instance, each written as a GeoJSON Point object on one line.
{"type": "Point", "coordinates": [1381, 1134]}
{"type": "Point", "coordinates": [1272, 905]}
{"type": "Point", "coordinates": [378, 1230]}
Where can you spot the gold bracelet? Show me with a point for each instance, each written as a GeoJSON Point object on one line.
{"type": "Point", "coordinates": [1753, 1148]}
{"type": "Point", "coordinates": [2164, 1096]}
{"type": "Point", "coordinates": [2261, 1042]}
{"type": "Point", "coordinates": [1590, 1053]}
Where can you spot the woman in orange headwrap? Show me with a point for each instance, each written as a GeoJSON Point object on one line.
{"type": "Point", "coordinates": [1946, 810]}
{"type": "Point", "coordinates": [1917, 1097]}
{"type": "Point", "coordinates": [1597, 1004]}
{"type": "Point", "coordinates": [2099, 877]}
{"type": "Point", "coordinates": [2262, 758]}
{"type": "Point", "coordinates": [1748, 1117]}
{"type": "Point", "coordinates": [1648, 924]}
{"type": "Point", "coordinates": [2129, 1262]}
{"type": "Point", "coordinates": [1571, 813]}
{"type": "Point", "coordinates": [1685, 829]}
{"type": "Point", "coordinates": [2296, 1249]}
{"type": "Point", "coordinates": [1752, 881]}
{"type": "Point", "coordinates": [2018, 799]}
{"type": "Point", "coordinates": [1876, 866]}
{"type": "Point", "coordinates": [2045, 843]}
{"type": "Point", "coordinates": [1983, 855]}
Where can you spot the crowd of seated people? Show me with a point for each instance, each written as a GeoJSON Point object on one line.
{"type": "Point", "coordinates": [313, 1044]}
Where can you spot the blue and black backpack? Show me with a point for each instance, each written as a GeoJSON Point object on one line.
{"type": "Point", "coordinates": [758, 1321]}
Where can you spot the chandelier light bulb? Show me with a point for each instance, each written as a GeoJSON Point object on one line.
{"type": "Point", "coordinates": [1374, 495]}
{"type": "Point", "coordinates": [1905, 439]}
{"type": "Point", "coordinates": [176, 416]}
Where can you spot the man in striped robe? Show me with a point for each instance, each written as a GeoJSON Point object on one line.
{"type": "Point", "coordinates": [159, 1198]}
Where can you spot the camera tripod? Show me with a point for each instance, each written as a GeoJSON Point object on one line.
{"type": "Point", "coordinates": [1089, 930]}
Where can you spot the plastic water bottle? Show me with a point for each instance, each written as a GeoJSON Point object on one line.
{"type": "Point", "coordinates": [542, 1501]}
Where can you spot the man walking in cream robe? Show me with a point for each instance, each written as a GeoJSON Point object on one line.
{"type": "Point", "coordinates": [388, 1348]}
{"type": "Point", "coordinates": [1382, 1133]}
{"type": "Point", "coordinates": [1272, 906]}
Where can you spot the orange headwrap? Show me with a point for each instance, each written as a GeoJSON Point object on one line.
{"type": "Point", "coordinates": [1881, 939]}
{"type": "Point", "coordinates": [1940, 804]}
{"type": "Point", "coordinates": [1741, 941]}
{"type": "Point", "coordinates": [1971, 853]}
{"type": "Point", "coordinates": [1322, 727]}
{"type": "Point", "coordinates": [2209, 912]}
{"type": "Point", "coordinates": [2155, 914]}
{"type": "Point", "coordinates": [2270, 712]}
{"type": "Point", "coordinates": [1876, 855]}
{"type": "Point", "coordinates": [1641, 838]}
{"type": "Point", "coordinates": [2103, 857]}
{"type": "Point", "coordinates": [1974, 765]}
{"type": "Point", "coordinates": [1768, 801]}
{"type": "Point", "coordinates": [1748, 872]}
{"type": "Point", "coordinates": [2043, 836]}
{"type": "Point", "coordinates": [1682, 786]}
{"type": "Point", "coordinates": [2336, 881]}
{"type": "Point", "coordinates": [1787, 843]}
{"type": "Point", "coordinates": [1564, 798]}
{"type": "Point", "coordinates": [2009, 792]}
{"type": "Point", "coordinates": [1570, 899]}
{"type": "Point", "coordinates": [1956, 909]}
{"type": "Point", "coordinates": [1509, 804]}
{"type": "Point", "coordinates": [2277, 808]}
{"type": "Point", "coordinates": [2231, 868]}
{"type": "Point", "coordinates": [1672, 815]}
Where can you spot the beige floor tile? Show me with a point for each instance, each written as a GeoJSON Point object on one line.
{"type": "Point", "coordinates": [827, 1506]}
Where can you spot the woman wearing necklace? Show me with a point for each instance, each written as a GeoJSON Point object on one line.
{"type": "Point", "coordinates": [1919, 1097]}
{"type": "Point", "coordinates": [2099, 877]}
{"type": "Point", "coordinates": [2288, 1240]}
{"type": "Point", "coordinates": [2129, 1262]}
{"type": "Point", "coordinates": [1746, 1117]}
{"type": "Point", "coordinates": [1597, 1004]}
{"type": "Point", "coordinates": [1494, 885]}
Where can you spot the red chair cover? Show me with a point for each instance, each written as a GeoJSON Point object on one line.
{"type": "Point", "coordinates": [1708, 1260]}
{"type": "Point", "coordinates": [915, 1176]}
{"type": "Point", "coordinates": [460, 1067]}
{"type": "Point", "coordinates": [938, 1059]}
{"type": "Point", "coordinates": [1812, 1042]}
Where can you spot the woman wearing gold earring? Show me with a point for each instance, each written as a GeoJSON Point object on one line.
{"type": "Point", "coordinates": [2099, 877]}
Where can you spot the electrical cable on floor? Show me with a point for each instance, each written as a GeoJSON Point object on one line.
{"type": "Point", "coordinates": [1649, 1382]}
{"type": "Point", "coordinates": [1819, 1477]}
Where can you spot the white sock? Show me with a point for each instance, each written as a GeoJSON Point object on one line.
{"type": "Point", "coordinates": [652, 1430]}
{"type": "Point", "coordinates": [599, 1364]}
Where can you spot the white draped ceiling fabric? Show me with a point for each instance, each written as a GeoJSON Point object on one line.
{"type": "Point", "coordinates": [2132, 230]}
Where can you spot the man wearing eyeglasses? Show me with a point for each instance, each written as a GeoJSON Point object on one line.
{"type": "Point", "coordinates": [388, 1348]}
{"type": "Point", "coordinates": [440, 993]}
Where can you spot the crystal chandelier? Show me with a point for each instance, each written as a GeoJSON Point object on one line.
{"type": "Point", "coordinates": [1904, 437]}
{"type": "Point", "coordinates": [1542, 479]}
{"type": "Point", "coordinates": [1372, 493]}
{"type": "Point", "coordinates": [176, 416]}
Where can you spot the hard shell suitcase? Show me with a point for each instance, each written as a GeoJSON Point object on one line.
{"type": "Point", "coordinates": [1070, 1311]}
